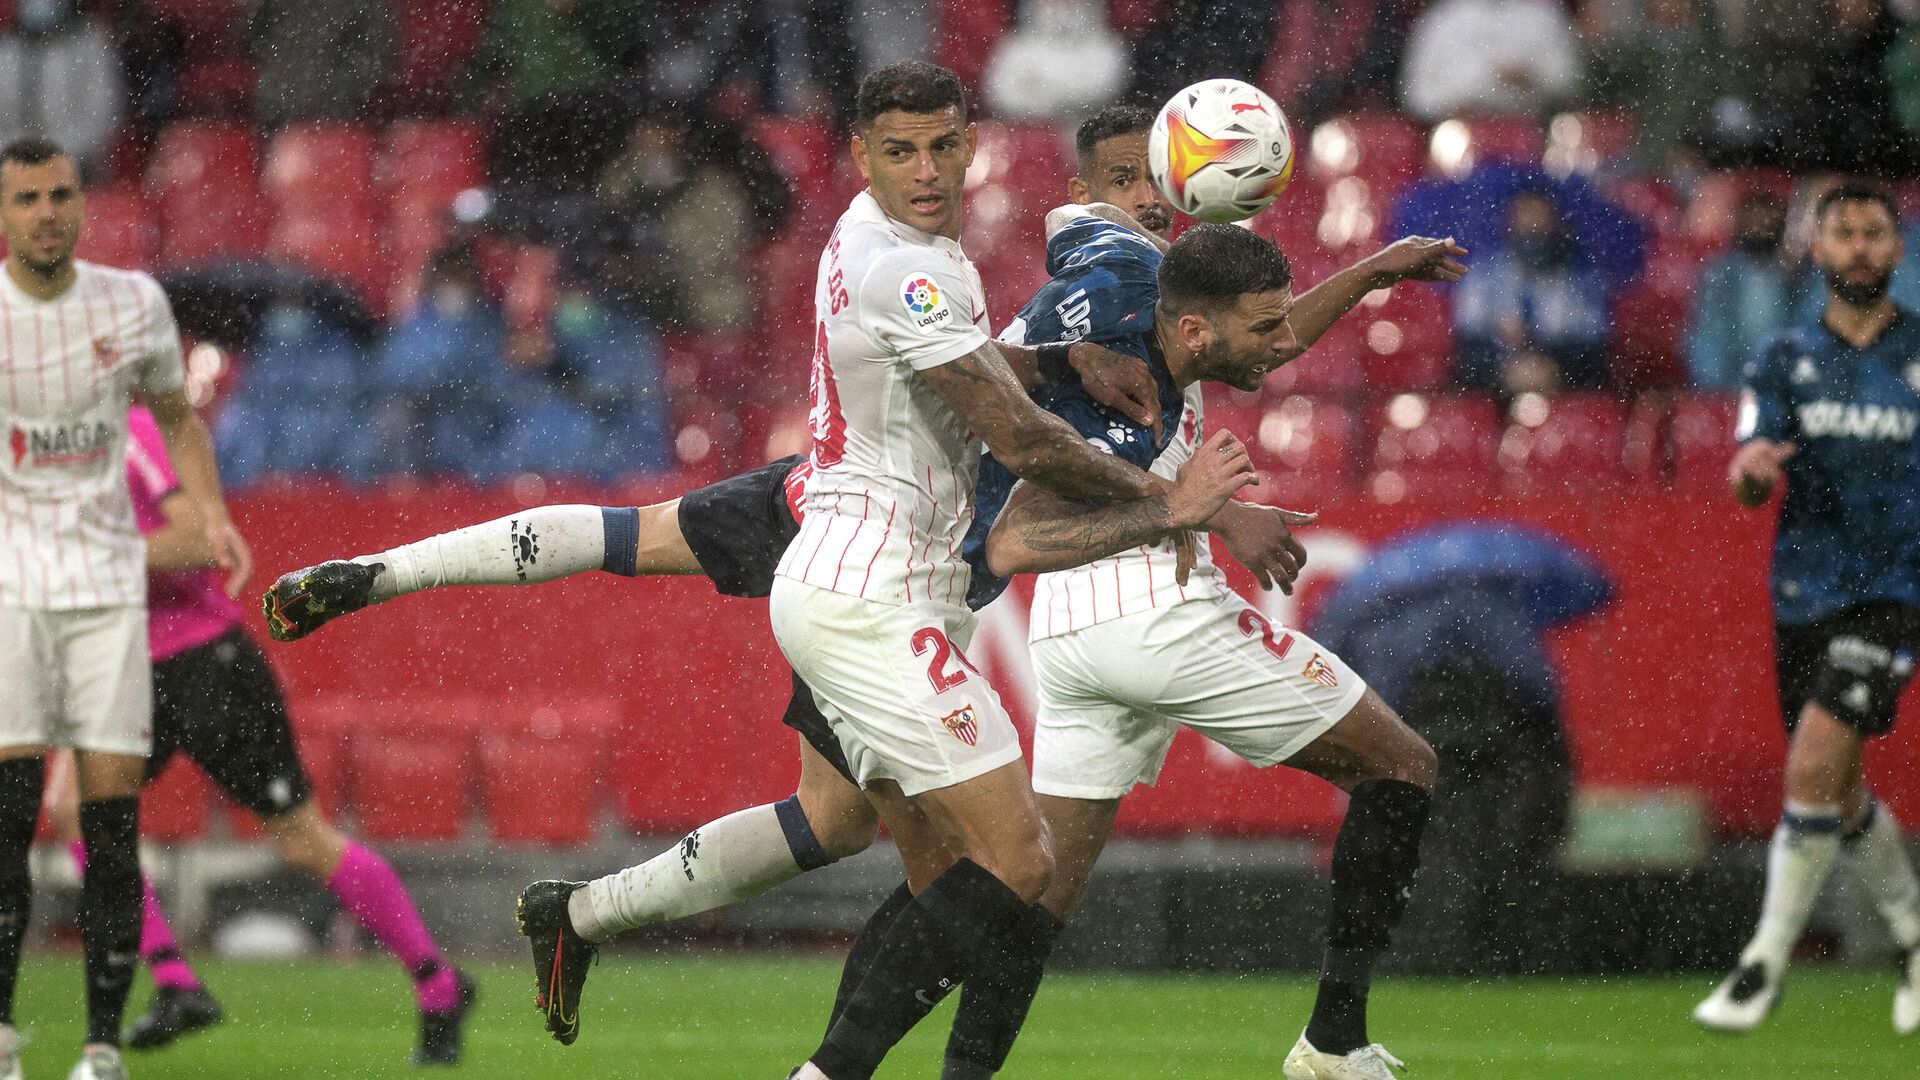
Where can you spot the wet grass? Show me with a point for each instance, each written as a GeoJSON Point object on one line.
{"type": "Point", "coordinates": [721, 1017]}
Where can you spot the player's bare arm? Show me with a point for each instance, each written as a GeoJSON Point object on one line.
{"type": "Point", "coordinates": [181, 543]}
{"type": "Point", "coordinates": [1114, 379]}
{"type": "Point", "coordinates": [1756, 468]}
{"type": "Point", "coordinates": [1414, 258]}
{"type": "Point", "coordinates": [191, 449]}
{"type": "Point", "coordinates": [1038, 532]}
{"type": "Point", "coordinates": [1033, 444]}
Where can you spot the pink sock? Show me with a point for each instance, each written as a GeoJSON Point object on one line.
{"type": "Point", "coordinates": [372, 893]}
{"type": "Point", "coordinates": [157, 945]}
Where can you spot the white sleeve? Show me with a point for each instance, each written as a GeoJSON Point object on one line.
{"type": "Point", "coordinates": [917, 306]}
{"type": "Point", "coordinates": [162, 369]}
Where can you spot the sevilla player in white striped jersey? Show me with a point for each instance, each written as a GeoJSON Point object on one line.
{"type": "Point", "coordinates": [77, 343]}
{"type": "Point", "coordinates": [869, 600]}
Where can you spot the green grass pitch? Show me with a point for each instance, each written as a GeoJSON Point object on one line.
{"type": "Point", "coordinates": [732, 1016]}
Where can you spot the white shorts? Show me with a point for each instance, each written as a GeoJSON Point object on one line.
{"type": "Point", "coordinates": [76, 678]}
{"type": "Point", "coordinates": [901, 696]}
{"type": "Point", "coordinates": [1113, 695]}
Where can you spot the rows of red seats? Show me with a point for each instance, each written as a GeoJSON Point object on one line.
{"type": "Point", "coordinates": [424, 769]}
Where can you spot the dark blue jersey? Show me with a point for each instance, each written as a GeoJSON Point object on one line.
{"type": "Point", "coordinates": [1850, 522]}
{"type": "Point", "coordinates": [1105, 280]}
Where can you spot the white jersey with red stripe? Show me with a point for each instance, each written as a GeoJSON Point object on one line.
{"type": "Point", "coordinates": [888, 492]}
{"type": "Point", "coordinates": [1137, 580]}
{"type": "Point", "coordinates": [69, 368]}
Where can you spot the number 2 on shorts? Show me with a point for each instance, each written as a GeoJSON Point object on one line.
{"type": "Point", "coordinates": [1250, 619]}
{"type": "Point", "coordinates": [929, 637]}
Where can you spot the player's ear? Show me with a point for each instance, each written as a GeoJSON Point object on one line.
{"type": "Point", "coordinates": [857, 146]}
{"type": "Point", "coordinates": [973, 142]}
{"type": "Point", "coordinates": [1078, 191]}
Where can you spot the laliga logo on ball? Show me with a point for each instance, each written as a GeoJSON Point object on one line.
{"type": "Point", "coordinates": [1220, 151]}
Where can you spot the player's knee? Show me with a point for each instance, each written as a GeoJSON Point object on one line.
{"type": "Point", "coordinates": [1417, 764]}
{"type": "Point", "coordinates": [846, 834]}
{"type": "Point", "coordinates": [1025, 866]}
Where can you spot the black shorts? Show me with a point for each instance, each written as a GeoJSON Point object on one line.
{"type": "Point", "coordinates": [220, 705]}
{"type": "Point", "coordinates": [738, 528]}
{"type": "Point", "coordinates": [1853, 663]}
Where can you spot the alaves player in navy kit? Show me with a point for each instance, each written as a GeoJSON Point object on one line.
{"type": "Point", "coordinates": [1831, 409]}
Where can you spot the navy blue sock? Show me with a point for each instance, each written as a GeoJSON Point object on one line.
{"type": "Point", "coordinates": [622, 525]}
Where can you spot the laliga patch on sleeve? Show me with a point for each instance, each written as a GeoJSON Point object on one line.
{"type": "Point", "coordinates": [927, 307]}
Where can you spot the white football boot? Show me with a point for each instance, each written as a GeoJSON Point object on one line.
{"type": "Point", "coordinates": [99, 1063]}
{"type": "Point", "coordinates": [1371, 1062]}
{"type": "Point", "coordinates": [10, 1043]}
{"type": "Point", "coordinates": [1906, 998]}
{"type": "Point", "coordinates": [1741, 1001]}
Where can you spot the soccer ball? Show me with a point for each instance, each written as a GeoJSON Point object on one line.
{"type": "Point", "coordinates": [1220, 150]}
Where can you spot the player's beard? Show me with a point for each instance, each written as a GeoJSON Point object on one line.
{"type": "Point", "coordinates": [1859, 293]}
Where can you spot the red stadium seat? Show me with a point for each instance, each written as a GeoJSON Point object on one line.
{"type": "Point", "coordinates": [802, 149]}
{"type": "Point", "coordinates": [203, 181]}
{"type": "Point", "coordinates": [344, 245]}
{"type": "Point", "coordinates": [1581, 142]}
{"type": "Point", "coordinates": [1433, 446]}
{"type": "Point", "coordinates": [1329, 368]}
{"type": "Point", "coordinates": [1464, 141]}
{"type": "Point", "coordinates": [174, 806]}
{"type": "Point", "coordinates": [964, 36]}
{"type": "Point", "coordinates": [1700, 436]}
{"type": "Point", "coordinates": [1564, 444]}
{"type": "Point", "coordinates": [199, 154]}
{"type": "Point", "coordinates": [1303, 447]}
{"type": "Point", "coordinates": [1717, 195]}
{"type": "Point", "coordinates": [410, 785]}
{"type": "Point", "coordinates": [537, 790]}
{"type": "Point", "coordinates": [1405, 338]}
{"type": "Point", "coordinates": [120, 230]}
{"type": "Point", "coordinates": [319, 169]}
{"type": "Point", "coordinates": [1386, 150]}
{"type": "Point", "coordinates": [436, 39]}
{"type": "Point", "coordinates": [423, 164]}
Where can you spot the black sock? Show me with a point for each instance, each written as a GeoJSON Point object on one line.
{"type": "Point", "coordinates": [110, 911]}
{"type": "Point", "coordinates": [20, 782]}
{"type": "Point", "coordinates": [994, 1001]}
{"type": "Point", "coordinates": [935, 941]}
{"type": "Point", "coordinates": [866, 945]}
{"type": "Point", "coordinates": [1374, 859]}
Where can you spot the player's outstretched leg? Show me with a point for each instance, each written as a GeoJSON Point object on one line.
{"type": "Point", "coordinates": [538, 545]}
{"type": "Point", "coordinates": [181, 1003]}
{"type": "Point", "coordinates": [1388, 772]}
{"type": "Point", "coordinates": [1878, 857]}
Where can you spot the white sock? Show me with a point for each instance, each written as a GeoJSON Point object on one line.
{"type": "Point", "coordinates": [722, 862]}
{"type": "Point", "coordinates": [1804, 846]}
{"type": "Point", "coordinates": [541, 544]}
{"type": "Point", "coordinates": [1879, 860]}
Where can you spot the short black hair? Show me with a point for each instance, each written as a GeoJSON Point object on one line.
{"type": "Point", "coordinates": [1856, 191]}
{"type": "Point", "coordinates": [1112, 121]}
{"type": "Point", "coordinates": [31, 150]}
{"type": "Point", "coordinates": [913, 86]}
{"type": "Point", "coordinates": [1212, 266]}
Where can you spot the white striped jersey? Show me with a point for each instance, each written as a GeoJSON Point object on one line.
{"type": "Point", "coordinates": [68, 370]}
{"type": "Point", "coordinates": [1133, 581]}
{"type": "Point", "coordinates": [889, 494]}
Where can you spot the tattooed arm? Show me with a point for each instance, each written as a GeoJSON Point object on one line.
{"type": "Point", "coordinates": [1033, 444]}
{"type": "Point", "coordinates": [1038, 532]}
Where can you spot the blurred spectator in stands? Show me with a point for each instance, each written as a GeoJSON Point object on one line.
{"type": "Point", "coordinates": [812, 65]}
{"type": "Point", "coordinates": [294, 412]}
{"type": "Point", "coordinates": [1665, 62]}
{"type": "Point", "coordinates": [551, 75]}
{"type": "Point", "coordinates": [1201, 39]}
{"type": "Point", "coordinates": [319, 59]}
{"type": "Point", "coordinates": [1060, 62]}
{"type": "Point", "coordinates": [680, 211]}
{"type": "Point", "coordinates": [1333, 56]}
{"type": "Point", "coordinates": [59, 78]}
{"type": "Point", "coordinates": [438, 377]}
{"type": "Point", "coordinates": [1530, 317]}
{"type": "Point", "coordinates": [1845, 119]}
{"type": "Point", "coordinates": [1473, 209]}
{"type": "Point", "coordinates": [585, 395]}
{"type": "Point", "coordinates": [1490, 56]}
{"type": "Point", "coordinates": [704, 54]}
{"type": "Point", "coordinates": [1744, 298]}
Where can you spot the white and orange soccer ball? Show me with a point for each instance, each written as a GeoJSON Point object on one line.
{"type": "Point", "coordinates": [1220, 150]}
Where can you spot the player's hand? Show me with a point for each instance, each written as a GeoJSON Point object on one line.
{"type": "Point", "coordinates": [1418, 258]}
{"type": "Point", "coordinates": [1756, 467]}
{"type": "Point", "coordinates": [1261, 539]}
{"type": "Point", "coordinates": [1118, 381]}
{"type": "Point", "coordinates": [1183, 557]}
{"type": "Point", "coordinates": [230, 551]}
{"type": "Point", "coordinates": [1208, 480]}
